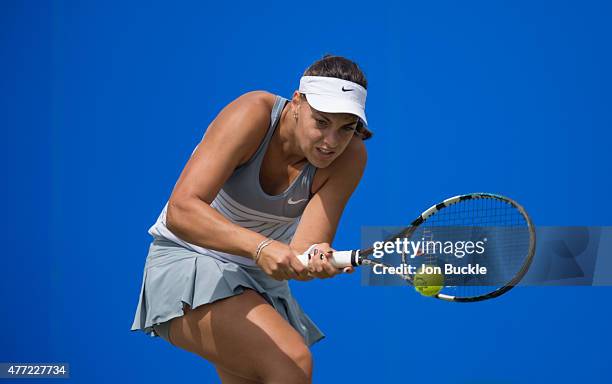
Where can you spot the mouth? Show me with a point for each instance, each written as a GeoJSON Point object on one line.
{"type": "Point", "coordinates": [325, 153]}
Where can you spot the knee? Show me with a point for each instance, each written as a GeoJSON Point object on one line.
{"type": "Point", "coordinates": [294, 367]}
{"type": "Point", "coordinates": [302, 358]}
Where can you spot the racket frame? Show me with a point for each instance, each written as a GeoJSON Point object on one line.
{"type": "Point", "coordinates": [360, 257]}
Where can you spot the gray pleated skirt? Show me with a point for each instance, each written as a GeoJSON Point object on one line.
{"type": "Point", "coordinates": [174, 275]}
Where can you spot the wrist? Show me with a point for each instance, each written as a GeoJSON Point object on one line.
{"type": "Point", "coordinates": [262, 244]}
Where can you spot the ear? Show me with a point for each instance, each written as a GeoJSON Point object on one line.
{"type": "Point", "coordinates": [296, 98]}
{"type": "Point", "coordinates": [296, 101]}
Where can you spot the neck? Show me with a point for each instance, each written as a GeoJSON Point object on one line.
{"type": "Point", "coordinates": [284, 140]}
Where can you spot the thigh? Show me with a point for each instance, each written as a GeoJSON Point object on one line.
{"type": "Point", "coordinates": [243, 335]}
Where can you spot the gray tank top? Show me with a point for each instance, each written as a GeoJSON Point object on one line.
{"type": "Point", "coordinates": [244, 185]}
{"type": "Point", "coordinates": [243, 201]}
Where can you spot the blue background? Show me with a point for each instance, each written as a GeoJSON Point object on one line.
{"type": "Point", "coordinates": [101, 104]}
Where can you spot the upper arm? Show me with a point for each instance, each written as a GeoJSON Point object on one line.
{"type": "Point", "coordinates": [322, 214]}
{"type": "Point", "coordinates": [230, 140]}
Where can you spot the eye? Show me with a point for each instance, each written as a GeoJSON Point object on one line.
{"type": "Point", "coordinates": [321, 122]}
{"type": "Point", "coordinates": [349, 128]}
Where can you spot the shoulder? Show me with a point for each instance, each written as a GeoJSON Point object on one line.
{"type": "Point", "coordinates": [257, 99]}
{"type": "Point", "coordinates": [349, 166]}
{"type": "Point", "coordinates": [347, 169]}
{"type": "Point", "coordinates": [243, 123]}
{"type": "Point", "coordinates": [352, 161]}
{"type": "Point", "coordinates": [253, 107]}
{"type": "Point", "coordinates": [355, 154]}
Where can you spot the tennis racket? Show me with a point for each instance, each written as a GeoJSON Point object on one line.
{"type": "Point", "coordinates": [500, 225]}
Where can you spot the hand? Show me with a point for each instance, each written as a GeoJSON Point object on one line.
{"type": "Point", "coordinates": [279, 262]}
{"type": "Point", "coordinates": [319, 265]}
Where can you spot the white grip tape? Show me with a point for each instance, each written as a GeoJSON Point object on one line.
{"type": "Point", "coordinates": [339, 259]}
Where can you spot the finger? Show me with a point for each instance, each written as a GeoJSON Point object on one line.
{"type": "Point", "coordinates": [290, 273]}
{"type": "Point", "coordinates": [297, 267]}
{"type": "Point", "coordinates": [329, 254]}
{"type": "Point", "coordinates": [278, 276]}
{"type": "Point", "coordinates": [314, 257]}
{"type": "Point", "coordinates": [314, 253]}
{"type": "Point", "coordinates": [281, 273]}
{"type": "Point", "coordinates": [316, 261]}
{"type": "Point", "coordinates": [348, 270]}
{"type": "Point", "coordinates": [273, 274]}
{"type": "Point", "coordinates": [325, 247]}
{"type": "Point", "coordinates": [329, 269]}
{"type": "Point", "coordinates": [317, 268]}
{"type": "Point", "coordinates": [303, 275]}
{"type": "Point", "coordinates": [324, 269]}
{"type": "Point", "coordinates": [324, 258]}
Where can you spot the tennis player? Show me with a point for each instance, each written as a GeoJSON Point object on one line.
{"type": "Point", "coordinates": [269, 179]}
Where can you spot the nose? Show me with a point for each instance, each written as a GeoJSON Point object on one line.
{"type": "Point", "coordinates": [331, 139]}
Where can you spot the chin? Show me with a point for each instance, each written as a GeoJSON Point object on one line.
{"type": "Point", "coordinates": [320, 163]}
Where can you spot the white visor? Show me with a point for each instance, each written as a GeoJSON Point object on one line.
{"type": "Point", "coordinates": [333, 95]}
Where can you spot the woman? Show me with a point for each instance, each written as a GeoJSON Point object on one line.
{"type": "Point", "coordinates": [270, 178]}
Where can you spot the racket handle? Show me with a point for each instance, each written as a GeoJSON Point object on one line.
{"type": "Point", "coordinates": [338, 259]}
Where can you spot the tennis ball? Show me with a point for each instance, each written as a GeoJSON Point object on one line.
{"type": "Point", "coordinates": [428, 284]}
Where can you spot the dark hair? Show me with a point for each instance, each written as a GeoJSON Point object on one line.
{"type": "Point", "coordinates": [341, 68]}
{"type": "Point", "coordinates": [338, 67]}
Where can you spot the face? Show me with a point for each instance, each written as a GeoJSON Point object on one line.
{"type": "Point", "coordinates": [322, 136]}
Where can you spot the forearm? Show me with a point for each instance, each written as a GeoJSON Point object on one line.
{"type": "Point", "coordinates": [300, 246]}
{"type": "Point", "coordinates": [196, 222]}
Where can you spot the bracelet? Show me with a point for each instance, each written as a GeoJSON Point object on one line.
{"type": "Point", "coordinates": [261, 246]}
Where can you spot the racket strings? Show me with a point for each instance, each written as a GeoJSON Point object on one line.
{"type": "Point", "coordinates": [498, 225]}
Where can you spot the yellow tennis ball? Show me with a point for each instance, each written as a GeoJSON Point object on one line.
{"type": "Point", "coordinates": [427, 281]}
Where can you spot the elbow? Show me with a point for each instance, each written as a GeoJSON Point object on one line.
{"type": "Point", "coordinates": [174, 215]}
